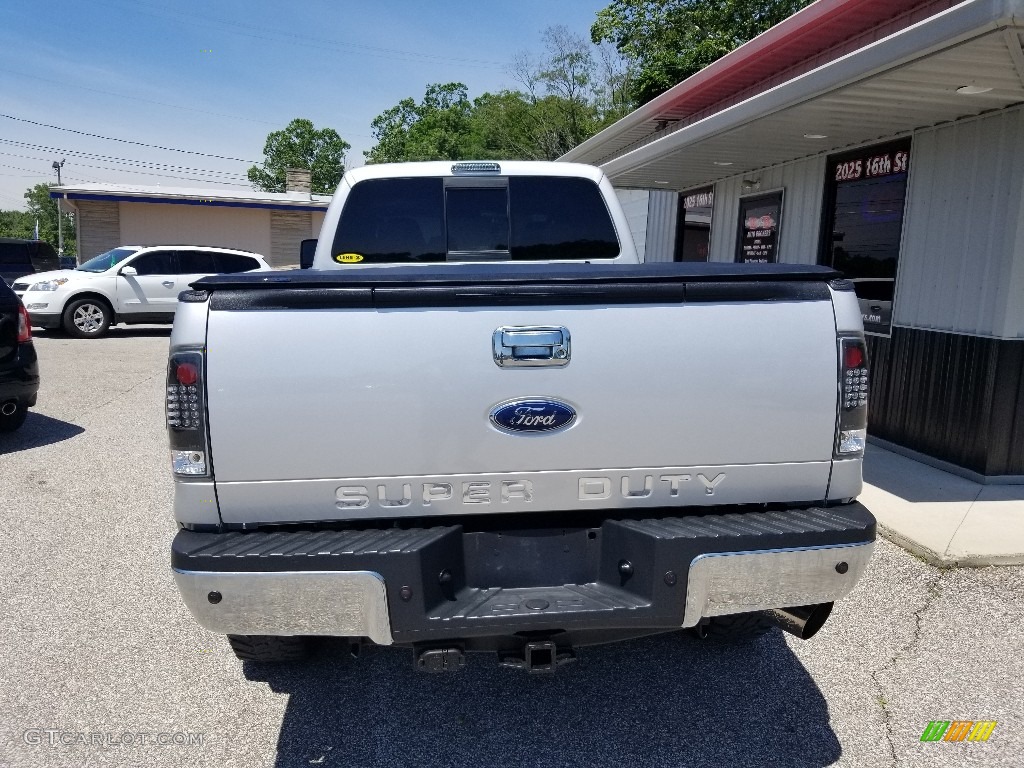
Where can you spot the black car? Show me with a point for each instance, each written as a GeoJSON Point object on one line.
{"type": "Point", "coordinates": [25, 257]}
{"type": "Point", "coordinates": [19, 371]}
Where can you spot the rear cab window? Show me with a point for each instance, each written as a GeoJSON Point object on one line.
{"type": "Point", "coordinates": [433, 219]}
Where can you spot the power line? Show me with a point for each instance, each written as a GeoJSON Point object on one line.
{"type": "Point", "coordinates": [16, 168]}
{"type": "Point", "coordinates": [144, 172]}
{"type": "Point", "coordinates": [138, 172]}
{"type": "Point", "coordinates": [109, 158]}
{"type": "Point", "coordinates": [164, 103]}
{"type": "Point", "coordinates": [126, 141]}
{"type": "Point", "coordinates": [136, 98]}
{"type": "Point", "coordinates": [32, 175]}
{"type": "Point", "coordinates": [132, 164]}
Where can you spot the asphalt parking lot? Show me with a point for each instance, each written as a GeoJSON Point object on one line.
{"type": "Point", "coordinates": [100, 658]}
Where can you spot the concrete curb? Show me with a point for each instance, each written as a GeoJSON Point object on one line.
{"type": "Point", "coordinates": [944, 519]}
{"type": "Point", "coordinates": [932, 557]}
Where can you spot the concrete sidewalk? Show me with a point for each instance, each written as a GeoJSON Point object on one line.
{"type": "Point", "coordinates": [943, 518]}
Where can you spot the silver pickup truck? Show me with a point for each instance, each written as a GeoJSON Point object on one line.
{"type": "Point", "coordinates": [479, 425]}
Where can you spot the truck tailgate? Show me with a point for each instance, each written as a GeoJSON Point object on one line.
{"type": "Point", "coordinates": [327, 405]}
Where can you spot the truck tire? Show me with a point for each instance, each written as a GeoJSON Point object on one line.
{"type": "Point", "coordinates": [87, 318]}
{"type": "Point", "coordinates": [737, 626]}
{"type": "Point", "coordinates": [268, 648]}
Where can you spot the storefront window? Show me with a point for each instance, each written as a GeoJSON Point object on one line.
{"type": "Point", "coordinates": [760, 219]}
{"type": "Point", "coordinates": [866, 192]}
{"type": "Point", "coordinates": [693, 225]}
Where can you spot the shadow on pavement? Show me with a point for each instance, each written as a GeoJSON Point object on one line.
{"type": "Point", "coordinates": [917, 482]}
{"type": "Point", "coordinates": [37, 431]}
{"type": "Point", "coordinates": [131, 331]}
{"type": "Point", "coordinates": [666, 700]}
{"type": "Point", "coordinates": [118, 331]}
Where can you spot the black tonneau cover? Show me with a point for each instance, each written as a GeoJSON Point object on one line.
{"type": "Point", "coordinates": [509, 274]}
{"type": "Point", "coordinates": [513, 285]}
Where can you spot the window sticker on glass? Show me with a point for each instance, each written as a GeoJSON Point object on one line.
{"type": "Point", "coordinates": [348, 258]}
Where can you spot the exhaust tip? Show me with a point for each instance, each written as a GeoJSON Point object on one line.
{"type": "Point", "coordinates": [803, 621]}
{"type": "Point", "coordinates": [8, 408]}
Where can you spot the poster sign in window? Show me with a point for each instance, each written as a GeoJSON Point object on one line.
{"type": "Point", "coordinates": [760, 218]}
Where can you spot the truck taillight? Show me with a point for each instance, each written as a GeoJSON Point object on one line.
{"type": "Point", "coordinates": [185, 408]}
{"type": "Point", "coordinates": [853, 397]}
{"type": "Point", "coordinates": [24, 325]}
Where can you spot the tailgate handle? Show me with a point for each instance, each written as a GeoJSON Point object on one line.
{"type": "Point", "coordinates": [531, 346]}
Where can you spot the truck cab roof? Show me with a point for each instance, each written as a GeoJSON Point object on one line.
{"type": "Point", "coordinates": [484, 168]}
{"type": "Point", "coordinates": [473, 211]}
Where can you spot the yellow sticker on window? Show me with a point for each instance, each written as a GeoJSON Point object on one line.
{"type": "Point", "coordinates": [348, 258]}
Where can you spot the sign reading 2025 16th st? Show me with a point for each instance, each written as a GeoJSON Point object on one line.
{"type": "Point", "coordinates": [871, 166]}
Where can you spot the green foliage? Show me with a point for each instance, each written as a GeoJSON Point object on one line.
{"type": "Point", "coordinates": [438, 128]}
{"type": "Point", "coordinates": [569, 94]}
{"type": "Point", "coordinates": [19, 224]}
{"type": "Point", "coordinates": [301, 145]}
{"type": "Point", "coordinates": [672, 39]}
{"type": "Point", "coordinates": [41, 207]}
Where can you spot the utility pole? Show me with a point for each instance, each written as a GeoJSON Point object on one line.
{"type": "Point", "coordinates": [60, 229]}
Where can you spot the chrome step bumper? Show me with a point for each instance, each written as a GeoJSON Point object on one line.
{"type": "Point", "coordinates": [444, 583]}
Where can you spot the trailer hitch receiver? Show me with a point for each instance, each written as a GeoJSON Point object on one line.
{"type": "Point", "coordinates": [539, 657]}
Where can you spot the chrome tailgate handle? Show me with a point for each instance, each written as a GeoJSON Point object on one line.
{"type": "Point", "coordinates": [531, 346]}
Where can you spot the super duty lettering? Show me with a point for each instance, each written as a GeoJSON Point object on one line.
{"type": "Point", "coordinates": [478, 492]}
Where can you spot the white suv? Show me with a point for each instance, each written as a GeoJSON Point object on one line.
{"type": "Point", "coordinates": [130, 284]}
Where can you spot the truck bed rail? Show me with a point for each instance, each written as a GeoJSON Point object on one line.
{"type": "Point", "coordinates": [515, 285]}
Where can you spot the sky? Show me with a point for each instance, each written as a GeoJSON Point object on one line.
{"type": "Point", "coordinates": [214, 78]}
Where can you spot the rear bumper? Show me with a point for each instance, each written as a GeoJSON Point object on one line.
{"type": "Point", "coordinates": [446, 583]}
{"type": "Point", "coordinates": [19, 376]}
{"type": "Point", "coordinates": [45, 320]}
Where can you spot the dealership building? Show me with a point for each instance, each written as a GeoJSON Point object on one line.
{"type": "Point", "coordinates": [884, 138]}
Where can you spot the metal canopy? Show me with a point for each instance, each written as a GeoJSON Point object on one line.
{"type": "Point", "coordinates": [905, 81]}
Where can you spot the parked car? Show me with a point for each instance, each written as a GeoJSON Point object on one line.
{"type": "Point", "coordinates": [131, 284]}
{"type": "Point", "coordinates": [24, 257]}
{"type": "Point", "coordinates": [19, 371]}
{"type": "Point", "coordinates": [478, 424]}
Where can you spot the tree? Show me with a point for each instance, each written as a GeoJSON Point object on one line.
{"type": "Point", "coordinates": [559, 85]}
{"type": "Point", "coordinates": [506, 127]}
{"type": "Point", "coordinates": [573, 95]}
{"type": "Point", "coordinates": [18, 224]}
{"type": "Point", "coordinates": [437, 128]}
{"type": "Point", "coordinates": [300, 145]}
{"type": "Point", "coordinates": [568, 95]}
{"type": "Point", "coordinates": [672, 39]}
{"type": "Point", "coordinates": [43, 208]}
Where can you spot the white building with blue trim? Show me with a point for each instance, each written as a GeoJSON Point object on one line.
{"type": "Point", "coordinates": [269, 223]}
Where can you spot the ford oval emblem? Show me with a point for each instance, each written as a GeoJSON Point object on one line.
{"type": "Point", "coordinates": [532, 416]}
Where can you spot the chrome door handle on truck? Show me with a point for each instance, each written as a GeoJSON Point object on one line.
{"type": "Point", "coordinates": [531, 346]}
